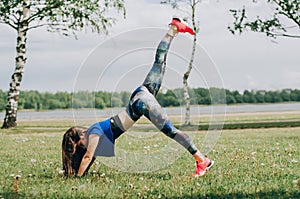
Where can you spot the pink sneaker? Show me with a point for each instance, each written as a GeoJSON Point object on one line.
{"type": "Point", "coordinates": [181, 27]}
{"type": "Point", "coordinates": [202, 167]}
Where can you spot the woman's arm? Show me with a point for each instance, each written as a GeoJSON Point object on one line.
{"type": "Point", "coordinates": [88, 156]}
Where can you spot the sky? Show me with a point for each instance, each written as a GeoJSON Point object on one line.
{"type": "Point", "coordinates": [120, 60]}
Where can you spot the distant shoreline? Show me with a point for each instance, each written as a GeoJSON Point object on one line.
{"type": "Point", "coordinates": [201, 110]}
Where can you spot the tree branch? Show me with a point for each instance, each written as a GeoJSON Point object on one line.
{"type": "Point", "coordinates": [284, 35]}
{"type": "Point", "coordinates": [289, 15]}
{"type": "Point", "coordinates": [8, 23]}
{"type": "Point", "coordinates": [40, 25]}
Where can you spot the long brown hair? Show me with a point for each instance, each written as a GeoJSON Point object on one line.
{"type": "Point", "coordinates": [72, 153]}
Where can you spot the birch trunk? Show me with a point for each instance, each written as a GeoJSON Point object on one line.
{"type": "Point", "coordinates": [187, 73]}
{"type": "Point", "coordinates": [10, 119]}
{"type": "Point", "coordinates": [186, 86]}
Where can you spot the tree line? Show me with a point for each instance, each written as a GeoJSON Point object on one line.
{"type": "Point", "coordinates": [100, 100]}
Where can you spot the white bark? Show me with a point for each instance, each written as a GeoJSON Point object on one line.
{"type": "Point", "coordinates": [14, 90]}
{"type": "Point", "coordinates": [187, 73]}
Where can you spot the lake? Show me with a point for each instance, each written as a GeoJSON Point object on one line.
{"type": "Point", "coordinates": [216, 109]}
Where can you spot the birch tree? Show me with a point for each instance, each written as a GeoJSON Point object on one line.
{"type": "Point", "coordinates": [64, 16]}
{"type": "Point", "coordinates": [284, 21]}
{"type": "Point", "coordinates": [188, 7]}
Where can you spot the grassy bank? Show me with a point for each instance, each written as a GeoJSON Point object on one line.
{"type": "Point", "coordinates": [201, 122]}
{"type": "Point", "coordinates": [251, 163]}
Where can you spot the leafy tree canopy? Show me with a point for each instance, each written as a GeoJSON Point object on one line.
{"type": "Point", "coordinates": [65, 16]}
{"type": "Point", "coordinates": [284, 21]}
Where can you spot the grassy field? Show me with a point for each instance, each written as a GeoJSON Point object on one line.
{"type": "Point", "coordinates": [250, 163]}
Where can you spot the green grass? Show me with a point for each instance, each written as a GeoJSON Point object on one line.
{"type": "Point", "coordinates": [251, 163]}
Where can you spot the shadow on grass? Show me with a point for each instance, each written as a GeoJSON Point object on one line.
{"type": "Point", "coordinates": [278, 194]}
{"type": "Point", "coordinates": [12, 195]}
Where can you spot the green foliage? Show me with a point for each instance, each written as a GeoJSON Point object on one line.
{"type": "Point", "coordinates": [64, 16]}
{"type": "Point", "coordinates": [273, 26]}
{"type": "Point", "coordinates": [172, 98]}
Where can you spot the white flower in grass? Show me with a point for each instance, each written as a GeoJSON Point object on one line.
{"type": "Point", "coordinates": [29, 175]}
{"type": "Point", "coordinates": [102, 175]}
{"type": "Point", "coordinates": [295, 181]}
{"type": "Point", "coordinates": [33, 160]}
{"type": "Point", "coordinates": [145, 187]}
{"type": "Point", "coordinates": [253, 153]}
{"type": "Point", "coordinates": [131, 186]}
{"type": "Point", "coordinates": [262, 164]}
{"type": "Point", "coordinates": [60, 171]}
{"type": "Point", "coordinates": [17, 177]}
{"type": "Point", "coordinates": [294, 161]}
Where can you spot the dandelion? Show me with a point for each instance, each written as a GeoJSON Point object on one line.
{"type": "Point", "coordinates": [15, 182]}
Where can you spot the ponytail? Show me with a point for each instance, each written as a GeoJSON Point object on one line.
{"type": "Point", "coordinates": [72, 153]}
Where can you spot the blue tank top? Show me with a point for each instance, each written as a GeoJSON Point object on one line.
{"type": "Point", "coordinates": [106, 141]}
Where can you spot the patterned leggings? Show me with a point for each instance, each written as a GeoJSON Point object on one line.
{"type": "Point", "coordinates": [143, 101]}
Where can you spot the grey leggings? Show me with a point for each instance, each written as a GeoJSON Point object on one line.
{"type": "Point", "coordinates": [143, 101]}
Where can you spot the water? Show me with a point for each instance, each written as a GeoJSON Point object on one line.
{"type": "Point", "coordinates": [217, 109]}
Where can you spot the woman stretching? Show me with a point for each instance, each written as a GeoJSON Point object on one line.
{"type": "Point", "coordinates": [80, 145]}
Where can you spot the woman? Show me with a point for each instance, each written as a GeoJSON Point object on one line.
{"type": "Point", "coordinates": [81, 145]}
